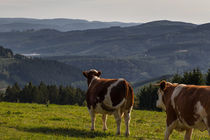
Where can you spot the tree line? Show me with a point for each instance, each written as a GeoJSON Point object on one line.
{"type": "Point", "coordinates": [44, 94]}
{"type": "Point", "coordinates": [146, 96]}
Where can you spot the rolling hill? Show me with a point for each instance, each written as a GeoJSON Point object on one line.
{"type": "Point", "coordinates": [114, 41]}
{"type": "Point", "coordinates": [21, 69]}
{"type": "Point", "coordinates": [138, 53]}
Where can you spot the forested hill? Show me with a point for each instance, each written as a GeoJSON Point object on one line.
{"type": "Point", "coordinates": [138, 53]}
{"type": "Point", "coordinates": [5, 53]}
{"type": "Point", "coordinates": [143, 39]}
{"type": "Point", "coordinates": [21, 69]}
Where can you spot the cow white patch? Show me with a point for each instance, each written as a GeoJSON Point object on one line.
{"type": "Point", "coordinates": [94, 78]}
{"type": "Point", "coordinates": [169, 129]}
{"type": "Point", "coordinates": [159, 102]}
{"type": "Point", "coordinates": [99, 109]}
{"type": "Point", "coordinates": [93, 70]}
{"type": "Point", "coordinates": [200, 110]}
{"type": "Point", "coordinates": [181, 126]}
{"type": "Point", "coordinates": [198, 124]}
{"type": "Point", "coordinates": [175, 93]}
{"type": "Point", "coordinates": [93, 118]}
{"type": "Point", "coordinates": [107, 99]}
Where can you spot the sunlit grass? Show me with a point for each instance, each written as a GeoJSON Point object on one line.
{"type": "Point", "coordinates": [34, 121]}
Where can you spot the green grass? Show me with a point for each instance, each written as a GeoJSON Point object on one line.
{"type": "Point", "coordinates": [34, 121]}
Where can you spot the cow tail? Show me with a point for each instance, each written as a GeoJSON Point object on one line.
{"type": "Point", "coordinates": [130, 97]}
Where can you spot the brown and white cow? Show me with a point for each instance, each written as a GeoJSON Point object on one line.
{"type": "Point", "coordinates": [109, 96]}
{"type": "Point", "coordinates": [187, 107]}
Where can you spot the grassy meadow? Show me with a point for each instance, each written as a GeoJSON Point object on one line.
{"type": "Point", "coordinates": [36, 121]}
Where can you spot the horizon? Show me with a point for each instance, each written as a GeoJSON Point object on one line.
{"type": "Point", "coordinates": [101, 21]}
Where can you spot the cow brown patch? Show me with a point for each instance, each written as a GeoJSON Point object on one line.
{"type": "Point", "coordinates": [96, 93]}
{"type": "Point", "coordinates": [188, 107]}
{"type": "Point", "coordinates": [118, 93]}
{"type": "Point", "coordinates": [109, 96]}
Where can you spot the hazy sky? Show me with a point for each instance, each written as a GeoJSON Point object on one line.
{"type": "Point", "coordinates": [195, 11]}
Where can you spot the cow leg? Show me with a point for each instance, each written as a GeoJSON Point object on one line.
{"type": "Point", "coordinates": [127, 117]}
{"type": "Point", "coordinates": [104, 118]}
{"type": "Point", "coordinates": [188, 134]}
{"type": "Point", "coordinates": [207, 123]}
{"type": "Point", "coordinates": [117, 116]}
{"type": "Point", "coordinates": [168, 133]}
{"type": "Point", "coordinates": [93, 118]}
{"type": "Point", "coordinates": [169, 130]}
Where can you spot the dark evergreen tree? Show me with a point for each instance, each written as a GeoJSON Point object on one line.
{"type": "Point", "coordinates": [197, 77]}
{"type": "Point", "coordinates": [147, 97]}
{"type": "Point", "coordinates": [194, 77]}
{"type": "Point", "coordinates": [187, 78]}
{"type": "Point", "coordinates": [79, 96]}
{"type": "Point", "coordinates": [13, 93]}
{"type": "Point", "coordinates": [26, 93]}
{"type": "Point", "coordinates": [177, 79]}
{"type": "Point", "coordinates": [17, 90]}
{"type": "Point", "coordinates": [9, 95]}
{"type": "Point", "coordinates": [208, 77]}
{"type": "Point", "coordinates": [44, 92]}
{"type": "Point", "coordinates": [53, 94]}
{"type": "Point", "coordinates": [37, 96]}
{"type": "Point", "coordinates": [2, 96]}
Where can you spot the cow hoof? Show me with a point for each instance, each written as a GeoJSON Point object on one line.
{"type": "Point", "coordinates": [104, 129]}
{"type": "Point", "coordinates": [127, 134]}
{"type": "Point", "coordinates": [118, 133]}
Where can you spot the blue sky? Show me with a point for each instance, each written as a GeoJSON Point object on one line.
{"type": "Point", "coordinates": [194, 11]}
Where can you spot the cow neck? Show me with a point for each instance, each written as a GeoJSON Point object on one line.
{"type": "Point", "coordinates": [167, 94]}
{"type": "Point", "coordinates": [91, 80]}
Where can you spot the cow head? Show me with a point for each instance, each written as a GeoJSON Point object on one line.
{"type": "Point", "coordinates": [160, 102]}
{"type": "Point", "coordinates": [92, 73]}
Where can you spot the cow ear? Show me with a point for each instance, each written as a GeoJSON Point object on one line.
{"type": "Point", "coordinates": [163, 85]}
{"type": "Point", "coordinates": [85, 74]}
{"type": "Point", "coordinates": [99, 73]}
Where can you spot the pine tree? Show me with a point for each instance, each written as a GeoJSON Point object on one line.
{"type": "Point", "coordinates": [13, 93]}
{"type": "Point", "coordinates": [26, 93]}
{"type": "Point", "coordinates": [44, 92]}
{"type": "Point", "coordinates": [197, 77]}
{"type": "Point", "coordinates": [177, 79]}
{"type": "Point", "coordinates": [53, 94]}
{"type": "Point", "coordinates": [16, 89]}
{"type": "Point", "coordinates": [147, 97]}
{"type": "Point", "coordinates": [8, 94]}
{"type": "Point", "coordinates": [208, 77]}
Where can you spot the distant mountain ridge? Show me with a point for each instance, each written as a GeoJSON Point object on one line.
{"type": "Point", "coordinates": [114, 41]}
{"type": "Point", "coordinates": [137, 53]}
{"type": "Point", "coordinates": [60, 24]}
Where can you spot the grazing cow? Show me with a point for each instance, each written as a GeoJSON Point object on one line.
{"type": "Point", "coordinates": [109, 96]}
{"type": "Point", "coordinates": [187, 107]}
